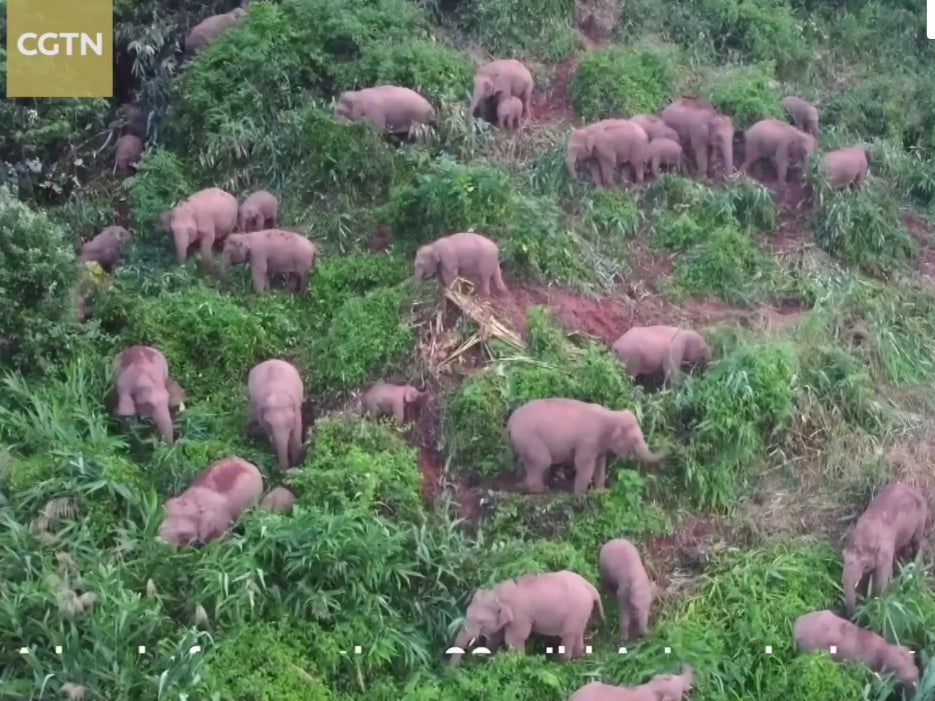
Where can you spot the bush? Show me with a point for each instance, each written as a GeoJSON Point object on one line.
{"type": "Point", "coordinates": [746, 93]}
{"type": "Point", "coordinates": [615, 82]}
{"type": "Point", "coordinates": [512, 28]}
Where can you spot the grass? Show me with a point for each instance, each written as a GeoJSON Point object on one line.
{"type": "Point", "coordinates": [819, 314]}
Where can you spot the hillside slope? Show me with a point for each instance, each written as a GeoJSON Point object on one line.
{"type": "Point", "coordinates": [819, 308]}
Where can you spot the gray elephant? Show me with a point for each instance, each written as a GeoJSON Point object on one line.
{"type": "Point", "coordinates": [134, 119]}
{"type": "Point", "coordinates": [819, 630]}
{"type": "Point", "coordinates": [260, 210]}
{"type": "Point", "coordinates": [390, 108]}
{"type": "Point", "coordinates": [554, 604]}
{"type": "Point", "coordinates": [893, 521]}
{"type": "Point", "coordinates": [502, 79]}
{"type": "Point", "coordinates": [662, 687]}
{"type": "Point", "coordinates": [622, 572]}
{"type": "Point", "coordinates": [276, 398]}
{"type": "Point", "coordinates": [383, 399]}
{"type": "Point", "coordinates": [464, 254]}
{"type": "Point", "coordinates": [781, 143]}
{"type": "Point", "coordinates": [846, 167]}
{"type": "Point", "coordinates": [646, 350]}
{"type": "Point", "coordinates": [128, 153]}
{"type": "Point", "coordinates": [509, 112]}
{"type": "Point", "coordinates": [703, 132]}
{"type": "Point", "coordinates": [606, 145]}
{"type": "Point", "coordinates": [212, 503]}
{"type": "Point", "coordinates": [655, 128]}
{"type": "Point", "coordinates": [105, 249]}
{"type": "Point", "coordinates": [555, 431]}
{"type": "Point", "coordinates": [271, 252]}
{"type": "Point", "coordinates": [145, 389]}
{"type": "Point", "coordinates": [205, 218]}
{"type": "Point", "coordinates": [209, 29]}
{"type": "Point", "coordinates": [664, 152]}
{"type": "Point", "coordinates": [279, 500]}
{"type": "Point", "coordinates": [804, 114]}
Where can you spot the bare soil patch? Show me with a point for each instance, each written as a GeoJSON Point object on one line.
{"type": "Point", "coordinates": [673, 561]}
{"type": "Point", "coordinates": [554, 104]}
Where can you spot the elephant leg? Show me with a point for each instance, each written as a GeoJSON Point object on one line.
{"type": "Point", "coordinates": [701, 158]}
{"type": "Point", "coordinates": [638, 172]}
{"type": "Point", "coordinates": [882, 572]}
{"type": "Point", "coordinates": [607, 170]}
{"type": "Point", "coordinates": [258, 275]}
{"type": "Point", "coordinates": [585, 464]}
{"type": "Point", "coordinates": [859, 180]}
{"type": "Point", "coordinates": [570, 645]}
{"type": "Point", "coordinates": [654, 167]}
{"type": "Point", "coordinates": [295, 437]}
{"type": "Point", "coordinates": [537, 463]}
{"type": "Point", "coordinates": [639, 619]}
{"type": "Point", "coordinates": [303, 281]}
{"type": "Point", "coordinates": [206, 239]}
{"type": "Point", "coordinates": [516, 635]}
{"type": "Point", "coordinates": [781, 162]}
{"type": "Point", "coordinates": [448, 275]}
{"type": "Point", "coordinates": [595, 174]}
{"type": "Point", "coordinates": [484, 282]}
{"type": "Point", "coordinates": [600, 472]}
{"type": "Point", "coordinates": [399, 411]}
{"type": "Point", "coordinates": [624, 629]}
{"type": "Point", "coordinates": [527, 101]}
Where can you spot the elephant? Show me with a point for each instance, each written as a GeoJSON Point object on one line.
{"type": "Point", "coordinates": [553, 603]}
{"type": "Point", "coordinates": [804, 114]}
{"type": "Point", "coordinates": [129, 150]}
{"type": "Point", "coordinates": [205, 218]}
{"type": "Point", "coordinates": [260, 210]}
{"type": "Point", "coordinates": [212, 503]}
{"type": "Point", "coordinates": [145, 389]}
{"type": "Point", "coordinates": [893, 521]}
{"type": "Point", "coordinates": [655, 128]}
{"type": "Point", "coordinates": [383, 398]}
{"type": "Point", "coordinates": [847, 166]}
{"type": "Point", "coordinates": [622, 572]}
{"type": "Point", "coordinates": [646, 350]}
{"type": "Point", "coordinates": [505, 77]}
{"type": "Point", "coordinates": [782, 143]}
{"type": "Point", "coordinates": [553, 431]}
{"type": "Point", "coordinates": [702, 131]}
{"type": "Point", "coordinates": [106, 248]}
{"type": "Point", "coordinates": [279, 500]}
{"type": "Point", "coordinates": [664, 151]}
{"type": "Point", "coordinates": [134, 119]}
{"type": "Point", "coordinates": [610, 142]}
{"type": "Point", "coordinates": [391, 108]}
{"type": "Point", "coordinates": [509, 112]}
{"type": "Point", "coordinates": [276, 398]}
{"type": "Point", "coordinates": [211, 28]}
{"type": "Point", "coordinates": [464, 254]}
{"type": "Point", "coordinates": [271, 252]}
{"type": "Point", "coordinates": [820, 630]}
{"type": "Point", "coordinates": [662, 687]}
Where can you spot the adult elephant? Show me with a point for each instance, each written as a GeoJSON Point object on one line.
{"type": "Point", "coordinates": [390, 108]}
{"type": "Point", "coordinates": [503, 78]}
{"type": "Point", "coordinates": [702, 131]}
{"type": "Point", "coordinates": [607, 144]}
{"type": "Point", "coordinates": [781, 143]}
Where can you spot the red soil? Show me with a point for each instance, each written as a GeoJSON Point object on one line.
{"type": "Point", "coordinates": [554, 103]}
{"type": "Point", "coordinates": [685, 547]}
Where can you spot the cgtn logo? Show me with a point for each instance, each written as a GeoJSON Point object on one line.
{"type": "Point", "coordinates": [51, 43]}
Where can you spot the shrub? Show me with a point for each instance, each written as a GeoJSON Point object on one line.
{"type": "Point", "coordinates": [746, 93]}
{"type": "Point", "coordinates": [515, 27]}
{"type": "Point", "coordinates": [37, 280]}
{"type": "Point", "coordinates": [608, 211]}
{"type": "Point", "coordinates": [160, 182]}
{"type": "Point", "coordinates": [615, 82]}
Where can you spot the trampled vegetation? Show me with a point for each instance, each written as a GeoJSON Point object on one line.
{"type": "Point", "coordinates": [819, 307]}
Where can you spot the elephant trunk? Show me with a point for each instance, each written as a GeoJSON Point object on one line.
{"type": "Point", "coordinates": [280, 435]}
{"type": "Point", "coordinates": [727, 152]}
{"type": "Point", "coordinates": [571, 162]}
{"type": "Point", "coordinates": [852, 576]}
{"type": "Point", "coordinates": [476, 99]}
{"type": "Point", "coordinates": [163, 420]}
{"type": "Point", "coordinates": [464, 638]}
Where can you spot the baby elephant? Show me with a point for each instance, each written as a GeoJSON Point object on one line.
{"type": "Point", "coordinates": [555, 431]}
{"type": "Point", "coordinates": [894, 521]}
{"type": "Point", "coordinates": [646, 350]}
{"type": "Point", "coordinates": [664, 152]}
{"type": "Point", "coordinates": [144, 388]}
{"type": "Point", "coordinates": [383, 399]}
{"type": "Point", "coordinates": [845, 167]}
{"type": "Point", "coordinates": [622, 572]}
{"type": "Point", "coordinates": [276, 397]}
{"type": "Point", "coordinates": [466, 254]}
{"type": "Point", "coordinates": [804, 114]}
{"type": "Point", "coordinates": [279, 500]}
{"type": "Point", "coordinates": [509, 112]}
{"type": "Point", "coordinates": [212, 504]}
{"type": "Point", "coordinates": [260, 210]}
{"type": "Point", "coordinates": [781, 143]}
{"type": "Point", "coordinates": [553, 603]}
{"type": "Point", "coordinates": [662, 687]}
{"type": "Point", "coordinates": [271, 252]}
{"type": "Point", "coordinates": [106, 248]}
{"type": "Point", "coordinates": [205, 218]}
{"type": "Point", "coordinates": [129, 150]}
{"type": "Point", "coordinates": [211, 28]}
{"type": "Point", "coordinates": [820, 630]}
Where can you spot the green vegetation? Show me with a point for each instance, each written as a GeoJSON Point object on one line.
{"type": "Point", "coordinates": [817, 305]}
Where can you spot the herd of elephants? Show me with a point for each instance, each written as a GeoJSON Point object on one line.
{"type": "Point", "coordinates": [543, 432]}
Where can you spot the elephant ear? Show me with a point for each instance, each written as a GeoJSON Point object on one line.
{"type": "Point", "coordinates": [673, 360]}
{"type": "Point", "coordinates": [504, 614]}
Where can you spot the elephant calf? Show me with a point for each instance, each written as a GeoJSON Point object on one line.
{"type": "Point", "coordinates": [662, 687]}
{"type": "Point", "coordinates": [847, 166]}
{"type": "Point", "coordinates": [605, 145]}
{"type": "Point", "coordinates": [279, 500]}
{"type": "Point", "coordinates": [546, 432]}
{"type": "Point", "coordinates": [211, 28]}
{"type": "Point", "coordinates": [144, 388]}
{"type": "Point", "coordinates": [214, 501]}
{"type": "Point", "coordinates": [501, 80]}
{"type": "Point", "coordinates": [781, 143]}
{"type": "Point", "coordinates": [272, 252]}
{"type": "Point", "coordinates": [465, 254]}
{"type": "Point", "coordinates": [509, 112]}
{"type": "Point", "coordinates": [553, 603]}
{"type": "Point", "coordinates": [260, 210]}
{"type": "Point", "coordinates": [893, 521]}
{"type": "Point", "coordinates": [106, 248]}
{"type": "Point", "coordinates": [129, 150]}
{"type": "Point", "coordinates": [383, 399]}
{"type": "Point", "coordinates": [664, 152]}
{"type": "Point", "coordinates": [820, 630]}
{"type": "Point", "coordinates": [646, 350]}
{"type": "Point", "coordinates": [390, 108]}
{"type": "Point", "coordinates": [804, 114]}
{"type": "Point", "coordinates": [622, 572]}
{"type": "Point", "coordinates": [276, 397]}
{"type": "Point", "coordinates": [205, 218]}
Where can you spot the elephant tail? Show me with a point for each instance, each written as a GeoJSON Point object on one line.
{"type": "Point", "coordinates": [600, 604]}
